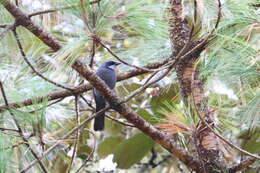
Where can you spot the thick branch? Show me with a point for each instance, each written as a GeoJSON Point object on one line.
{"type": "Point", "coordinates": [134, 118]}
{"type": "Point", "coordinates": [179, 31]}
{"type": "Point", "coordinates": [209, 152]}
{"type": "Point", "coordinates": [24, 20]}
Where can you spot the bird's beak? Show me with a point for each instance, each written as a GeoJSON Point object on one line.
{"type": "Point", "coordinates": [117, 63]}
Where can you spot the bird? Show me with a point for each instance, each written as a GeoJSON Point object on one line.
{"type": "Point", "coordinates": [107, 73]}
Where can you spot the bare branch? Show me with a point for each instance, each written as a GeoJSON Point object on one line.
{"type": "Point", "coordinates": [120, 122]}
{"type": "Point", "coordinates": [6, 129]}
{"type": "Point", "coordinates": [134, 93]}
{"type": "Point", "coordinates": [58, 9]}
{"type": "Point", "coordinates": [7, 29]}
{"type": "Point", "coordinates": [51, 10]}
{"type": "Point", "coordinates": [219, 14]}
{"type": "Point", "coordinates": [77, 135]}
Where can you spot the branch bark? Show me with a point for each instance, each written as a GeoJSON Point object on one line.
{"type": "Point", "coordinates": [192, 90]}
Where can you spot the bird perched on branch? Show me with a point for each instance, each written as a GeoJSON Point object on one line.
{"type": "Point", "coordinates": [107, 73]}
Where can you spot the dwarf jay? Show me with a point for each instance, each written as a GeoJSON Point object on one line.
{"type": "Point", "coordinates": [107, 73]}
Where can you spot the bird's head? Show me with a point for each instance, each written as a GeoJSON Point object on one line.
{"type": "Point", "coordinates": [111, 64]}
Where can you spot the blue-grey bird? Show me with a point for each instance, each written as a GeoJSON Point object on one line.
{"type": "Point", "coordinates": [107, 73]}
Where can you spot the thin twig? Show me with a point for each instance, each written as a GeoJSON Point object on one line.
{"type": "Point", "coordinates": [219, 14]}
{"type": "Point", "coordinates": [77, 134]}
{"type": "Point", "coordinates": [86, 101]}
{"type": "Point", "coordinates": [124, 62]}
{"type": "Point", "coordinates": [7, 129]}
{"type": "Point", "coordinates": [14, 146]}
{"type": "Point", "coordinates": [45, 12]}
{"type": "Point", "coordinates": [58, 9]}
{"type": "Point", "coordinates": [150, 77]}
{"type": "Point", "coordinates": [31, 66]}
{"type": "Point", "coordinates": [85, 16]}
{"type": "Point", "coordinates": [92, 152]}
{"type": "Point", "coordinates": [7, 29]}
{"type": "Point", "coordinates": [57, 101]}
{"type": "Point", "coordinates": [92, 55]}
{"type": "Point", "coordinates": [51, 10]}
{"type": "Point", "coordinates": [195, 11]}
{"type": "Point", "coordinates": [119, 121]}
{"type": "Point", "coordinates": [134, 93]}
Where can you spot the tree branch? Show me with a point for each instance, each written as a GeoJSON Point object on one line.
{"type": "Point", "coordinates": [25, 21]}
{"type": "Point", "coordinates": [114, 101]}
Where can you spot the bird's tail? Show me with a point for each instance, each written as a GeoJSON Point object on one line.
{"type": "Point", "coordinates": [99, 122]}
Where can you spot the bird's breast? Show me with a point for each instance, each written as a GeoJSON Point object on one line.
{"type": "Point", "coordinates": [108, 76]}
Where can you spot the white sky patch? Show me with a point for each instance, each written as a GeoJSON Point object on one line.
{"type": "Point", "coordinates": [136, 61]}
{"type": "Point", "coordinates": [149, 90]}
{"type": "Point", "coordinates": [136, 80]}
{"type": "Point", "coordinates": [220, 88]}
{"type": "Point", "coordinates": [36, 5]}
{"type": "Point", "coordinates": [107, 164]}
{"type": "Point", "coordinates": [151, 22]}
{"type": "Point", "coordinates": [64, 27]}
